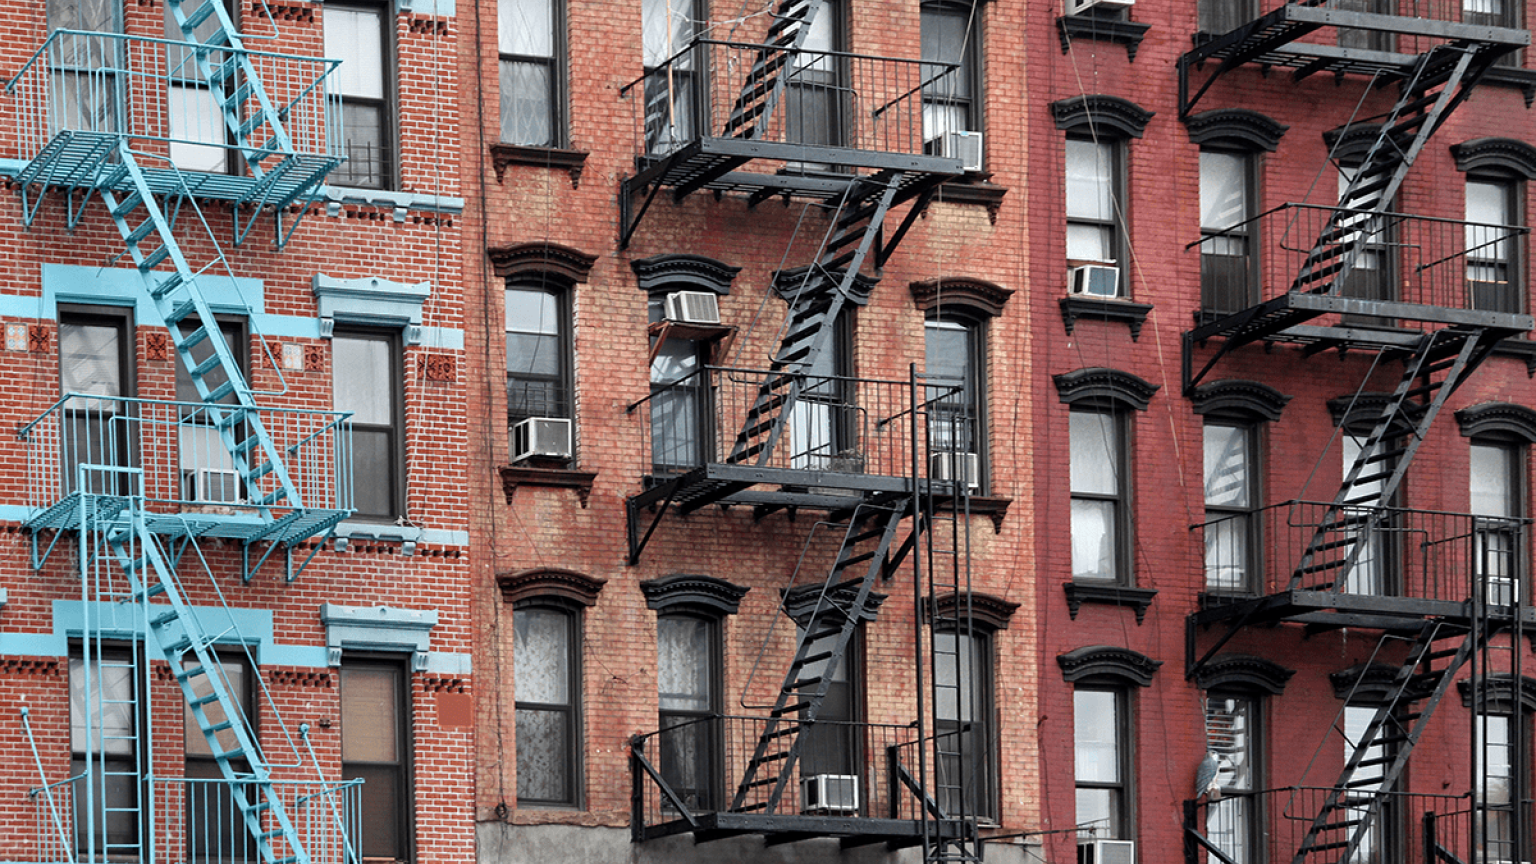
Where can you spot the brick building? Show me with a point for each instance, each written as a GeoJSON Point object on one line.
{"type": "Point", "coordinates": [223, 607]}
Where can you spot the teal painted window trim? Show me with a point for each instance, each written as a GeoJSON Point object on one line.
{"type": "Point", "coordinates": [378, 628]}
{"type": "Point", "coordinates": [371, 301]}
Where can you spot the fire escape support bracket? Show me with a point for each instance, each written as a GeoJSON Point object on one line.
{"type": "Point", "coordinates": [883, 251]}
{"type": "Point", "coordinates": [632, 507]}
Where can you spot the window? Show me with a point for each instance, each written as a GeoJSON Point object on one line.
{"type": "Point", "coordinates": [688, 697]}
{"type": "Point", "coordinates": [1223, 16]}
{"type": "Point", "coordinates": [215, 827]}
{"type": "Point", "coordinates": [1095, 208]}
{"type": "Point", "coordinates": [1231, 526]}
{"type": "Point", "coordinates": [87, 92]}
{"type": "Point", "coordinates": [1498, 498]}
{"type": "Point", "coordinates": [1229, 279]}
{"type": "Point", "coordinates": [954, 357]}
{"type": "Point", "coordinates": [821, 423]}
{"type": "Point", "coordinates": [359, 36]}
{"type": "Point", "coordinates": [680, 419]}
{"type": "Point", "coordinates": [1371, 276]}
{"type": "Point", "coordinates": [963, 722]}
{"type": "Point", "coordinates": [1100, 506]}
{"type": "Point", "coordinates": [95, 359]}
{"type": "Point", "coordinates": [1494, 13]}
{"type": "Point", "coordinates": [194, 113]}
{"type": "Point", "coordinates": [375, 748]}
{"type": "Point", "coordinates": [547, 661]}
{"type": "Point", "coordinates": [1369, 40]}
{"type": "Point", "coordinates": [1496, 819]}
{"type": "Point", "coordinates": [1232, 734]}
{"type": "Point", "coordinates": [366, 380]}
{"type": "Point", "coordinates": [531, 39]}
{"type": "Point", "coordinates": [104, 732]}
{"type": "Point", "coordinates": [1493, 263]}
{"type": "Point", "coordinates": [1366, 784]}
{"type": "Point", "coordinates": [208, 473]}
{"type": "Point", "coordinates": [1370, 574]}
{"type": "Point", "coordinates": [671, 86]}
{"type": "Point", "coordinates": [816, 96]}
{"type": "Point", "coordinates": [833, 745]}
{"type": "Point", "coordinates": [1101, 735]}
{"type": "Point", "coordinates": [949, 96]}
{"type": "Point", "coordinates": [538, 352]}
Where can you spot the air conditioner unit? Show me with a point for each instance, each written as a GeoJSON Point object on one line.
{"type": "Point", "coordinates": [1500, 591]}
{"type": "Point", "coordinates": [829, 793]}
{"type": "Point", "coordinates": [1094, 280]}
{"type": "Point", "coordinates": [541, 438]}
{"type": "Point", "coordinates": [1106, 852]}
{"type": "Point", "coordinates": [1076, 6]}
{"type": "Point", "coordinates": [211, 485]}
{"type": "Point", "coordinates": [952, 467]}
{"type": "Point", "coordinates": [693, 307]}
{"type": "Point", "coordinates": [965, 146]}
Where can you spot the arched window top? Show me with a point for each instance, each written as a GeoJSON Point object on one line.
{"type": "Point", "coordinates": [1348, 144]}
{"type": "Point", "coordinates": [985, 609]}
{"type": "Point", "coordinates": [532, 260]}
{"type": "Point", "coordinates": [800, 602]}
{"type": "Point", "coordinates": [1499, 694]}
{"type": "Point", "coordinates": [541, 583]}
{"type": "Point", "coordinates": [674, 272]}
{"type": "Point", "coordinates": [1358, 413]}
{"type": "Point", "coordinates": [787, 283]}
{"type": "Point", "coordinates": [686, 592]}
{"type": "Point", "coordinates": [1102, 386]}
{"type": "Point", "coordinates": [1237, 128]}
{"type": "Point", "coordinates": [1104, 116]}
{"type": "Point", "coordinates": [1249, 400]}
{"type": "Point", "coordinates": [1367, 684]}
{"type": "Point", "coordinates": [960, 295]}
{"type": "Point", "coordinates": [1106, 661]}
{"type": "Point", "coordinates": [1502, 156]}
{"type": "Point", "coordinates": [1242, 672]}
{"type": "Point", "coordinates": [1498, 420]}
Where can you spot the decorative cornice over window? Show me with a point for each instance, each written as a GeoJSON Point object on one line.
{"type": "Point", "coordinates": [1138, 599]}
{"type": "Point", "coordinates": [1108, 116]}
{"type": "Point", "coordinates": [1127, 312]}
{"type": "Point", "coordinates": [1105, 385]}
{"type": "Point", "coordinates": [684, 592]}
{"type": "Point", "coordinates": [378, 628]}
{"type": "Point", "coordinates": [1498, 419]}
{"type": "Point", "coordinates": [370, 301]}
{"type": "Point", "coordinates": [674, 272]}
{"type": "Point", "coordinates": [1371, 684]}
{"type": "Point", "coordinates": [1107, 661]}
{"type": "Point", "coordinates": [1496, 156]}
{"type": "Point", "coordinates": [1499, 694]}
{"type": "Point", "coordinates": [544, 582]}
{"type": "Point", "coordinates": [1235, 127]}
{"type": "Point", "coordinates": [787, 282]}
{"type": "Point", "coordinates": [527, 259]}
{"type": "Point", "coordinates": [1349, 144]}
{"type": "Point", "coordinates": [1359, 414]}
{"type": "Point", "coordinates": [800, 602]}
{"type": "Point", "coordinates": [987, 610]}
{"type": "Point", "coordinates": [1239, 671]}
{"type": "Point", "coordinates": [1103, 29]}
{"type": "Point", "coordinates": [1247, 398]}
{"type": "Point", "coordinates": [975, 295]}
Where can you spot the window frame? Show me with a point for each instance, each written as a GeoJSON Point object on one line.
{"type": "Point", "coordinates": [1251, 526]}
{"type": "Point", "coordinates": [117, 654]}
{"type": "Point", "coordinates": [987, 805]}
{"type": "Point", "coordinates": [396, 429]}
{"type": "Point", "coordinates": [1117, 178]}
{"type": "Point", "coordinates": [1212, 292]}
{"type": "Point", "coordinates": [1121, 499]}
{"type": "Point", "coordinates": [564, 380]}
{"type": "Point", "coordinates": [1389, 825]}
{"type": "Point", "coordinates": [1123, 789]}
{"type": "Point", "coordinates": [572, 710]}
{"type": "Point", "coordinates": [95, 414]}
{"type": "Point", "coordinates": [1515, 454]}
{"type": "Point", "coordinates": [1513, 292]}
{"type": "Point", "coordinates": [970, 69]}
{"type": "Point", "coordinates": [387, 104]}
{"type": "Point", "coordinates": [685, 81]}
{"type": "Point", "coordinates": [709, 779]}
{"type": "Point", "coordinates": [1216, 17]}
{"type": "Point", "coordinates": [1255, 752]}
{"type": "Point", "coordinates": [229, 834]}
{"type": "Point", "coordinates": [972, 407]}
{"type": "Point", "coordinates": [555, 64]}
{"type": "Point", "coordinates": [405, 762]}
{"type": "Point", "coordinates": [236, 334]}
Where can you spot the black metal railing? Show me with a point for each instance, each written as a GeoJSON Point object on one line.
{"type": "Point", "coordinates": [1481, 13]}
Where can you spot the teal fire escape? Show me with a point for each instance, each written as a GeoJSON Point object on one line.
{"type": "Point", "coordinates": [139, 483]}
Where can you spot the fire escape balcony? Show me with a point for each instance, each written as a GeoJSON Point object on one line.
{"type": "Point", "coordinates": [1385, 568]}
{"type": "Point", "coordinates": [770, 120]}
{"type": "Point", "coordinates": [81, 451]}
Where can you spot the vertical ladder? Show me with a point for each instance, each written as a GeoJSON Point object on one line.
{"type": "Point", "coordinates": [763, 87]}
{"type": "Point", "coordinates": [1432, 372]}
{"type": "Point", "coordinates": [1436, 654]}
{"type": "Point", "coordinates": [861, 558]}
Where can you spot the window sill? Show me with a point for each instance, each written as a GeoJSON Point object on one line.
{"type": "Point", "coordinates": [364, 533]}
{"type": "Point", "coordinates": [1127, 33]}
{"type": "Point", "coordinates": [1219, 599]}
{"type": "Point", "coordinates": [513, 476]}
{"type": "Point", "coordinates": [1524, 349]}
{"type": "Point", "coordinates": [1125, 311]}
{"type": "Point", "coordinates": [1139, 599]}
{"type": "Point", "coordinates": [976, 190]}
{"type": "Point", "coordinates": [572, 161]}
{"type": "Point", "coordinates": [1514, 76]}
{"type": "Point", "coordinates": [992, 506]}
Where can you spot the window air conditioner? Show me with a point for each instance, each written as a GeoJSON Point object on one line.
{"type": "Point", "coordinates": [829, 793]}
{"type": "Point", "coordinates": [1094, 280]}
{"type": "Point", "coordinates": [541, 438]}
{"type": "Point", "coordinates": [1106, 852]}
{"type": "Point", "coordinates": [965, 146]}
{"type": "Point", "coordinates": [210, 485]}
{"type": "Point", "coordinates": [1500, 591]}
{"type": "Point", "coordinates": [693, 307]}
{"type": "Point", "coordinates": [1076, 6]}
{"type": "Point", "coordinates": [950, 467]}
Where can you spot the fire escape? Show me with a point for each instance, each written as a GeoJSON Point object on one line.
{"type": "Point", "coordinates": [138, 486]}
{"type": "Point", "coordinates": [1435, 587]}
{"type": "Point", "coordinates": [777, 119]}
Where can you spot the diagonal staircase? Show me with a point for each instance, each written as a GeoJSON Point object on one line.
{"type": "Point", "coordinates": [763, 87]}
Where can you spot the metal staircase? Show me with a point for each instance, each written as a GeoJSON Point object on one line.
{"type": "Point", "coordinates": [763, 87]}
{"type": "Point", "coordinates": [863, 556]}
{"type": "Point", "coordinates": [1355, 803]}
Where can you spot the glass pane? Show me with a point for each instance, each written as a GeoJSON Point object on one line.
{"type": "Point", "coordinates": [526, 27]}
{"type": "Point", "coordinates": [542, 652]}
{"type": "Point", "coordinates": [1493, 471]}
{"type": "Point", "coordinates": [684, 664]}
{"type": "Point", "coordinates": [543, 755]}
{"type": "Point", "coordinates": [943, 41]}
{"type": "Point", "coordinates": [1226, 466]}
{"type": "Point", "coordinates": [667, 26]}
{"type": "Point", "coordinates": [941, 117]}
{"type": "Point", "coordinates": [1096, 736]}
{"type": "Point", "coordinates": [1227, 825]}
{"type": "Point", "coordinates": [364, 380]}
{"type": "Point", "coordinates": [363, 129]}
{"type": "Point", "coordinates": [1228, 734]}
{"type": "Point", "coordinates": [90, 361]}
{"type": "Point", "coordinates": [95, 15]}
{"type": "Point", "coordinates": [1090, 188]}
{"type": "Point", "coordinates": [186, 391]}
{"type": "Point", "coordinates": [959, 690]}
{"type": "Point", "coordinates": [370, 714]}
{"type": "Point", "coordinates": [108, 727]}
{"type": "Point", "coordinates": [1095, 453]}
{"type": "Point", "coordinates": [1090, 242]}
{"type": "Point", "coordinates": [356, 37]}
{"type": "Point", "coordinates": [195, 115]}
{"type": "Point", "coordinates": [527, 104]}
{"type": "Point", "coordinates": [1223, 190]}
{"type": "Point", "coordinates": [1098, 813]}
{"type": "Point", "coordinates": [532, 311]}
{"type": "Point", "coordinates": [373, 472]}
{"type": "Point", "coordinates": [1093, 540]}
{"type": "Point", "coordinates": [532, 354]}
{"type": "Point", "coordinates": [1488, 205]}
{"type": "Point", "coordinates": [1226, 554]}
{"type": "Point", "coordinates": [235, 685]}
{"type": "Point", "coordinates": [381, 811]}
{"type": "Point", "coordinates": [675, 360]}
